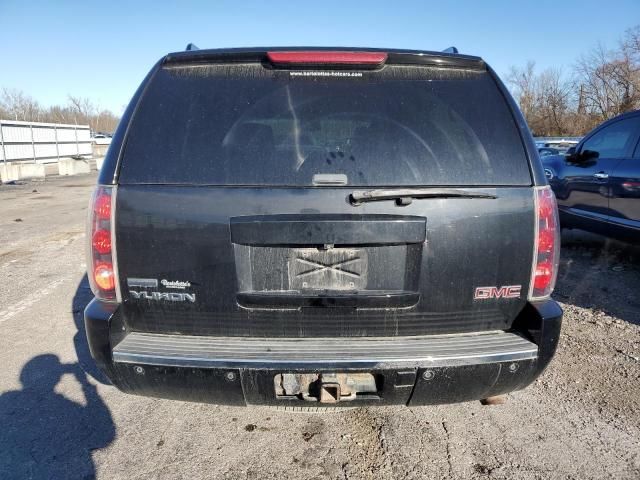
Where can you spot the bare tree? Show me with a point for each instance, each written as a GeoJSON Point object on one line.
{"type": "Point", "coordinates": [19, 106]}
{"type": "Point", "coordinates": [16, 105]}
{"type": "Point", "coordinates": [83, 108]}
{"type": "Point", "coordinates": [58, 114]}
{"type": "Point", "coordinates": [523, 83]}
{"type": "Point", "coordinates": [104, 121]}
{"type": "Point", "coordinates": [604, 83]}
{"type": "Point", "coordinates": [608, 80]}
{"type": "Point", "coordinates": [630, 44]}
{"type": "Point", "coordinates": [630, 57]}
{"type": "Point", "coordinates": [543, 98]}
{"type": "Point", "coordinates": [553, 99]}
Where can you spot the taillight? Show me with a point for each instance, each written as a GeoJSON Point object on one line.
{"type": "Point", "coordinates": [327, 58]}
{"type": "Point", "coordinates": [547, 245]}
{"type": "Point", "coordinates": [100, 265]}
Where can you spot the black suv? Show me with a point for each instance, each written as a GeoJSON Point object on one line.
{"type": "Point", "coordinates": [598, 183]}
{"type": "Point", "coordinates": [307, 226]}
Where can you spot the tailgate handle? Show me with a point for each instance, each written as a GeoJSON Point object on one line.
{"type": "Point", "coordinates": [363, 299]}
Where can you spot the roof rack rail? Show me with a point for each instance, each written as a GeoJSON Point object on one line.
{"type": "Point", "coordinates": [191, 47]}
{"type": "Point", "coordinates": [450, 50]}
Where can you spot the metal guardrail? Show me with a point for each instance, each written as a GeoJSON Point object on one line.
{"type": "Point", "coordinates": [39, 142]}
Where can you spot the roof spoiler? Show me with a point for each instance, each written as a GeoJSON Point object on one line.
{"type": "Point", "coordinates": [446, 58]}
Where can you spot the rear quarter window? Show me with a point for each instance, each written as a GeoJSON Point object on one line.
{"type": "Point", "coordinates": [250, 125]}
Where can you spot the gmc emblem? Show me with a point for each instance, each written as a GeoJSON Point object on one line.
{"type": "Point", "coordinates": [509, 291]}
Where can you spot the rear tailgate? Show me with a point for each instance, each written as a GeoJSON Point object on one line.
{"type": "Point", "coordinates": [187, 240]}
{"type": "Point", "coordinates": [233, 215]}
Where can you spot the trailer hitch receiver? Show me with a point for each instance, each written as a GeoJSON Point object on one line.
{"type": "Point", "coordinates": [328, 388]}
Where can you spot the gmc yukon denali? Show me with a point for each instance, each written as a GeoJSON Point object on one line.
{"type": "Point", "coordinates": [309, 227]}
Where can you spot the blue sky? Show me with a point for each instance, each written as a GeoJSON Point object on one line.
{"type": "Point", "coordinates": [102, 50]}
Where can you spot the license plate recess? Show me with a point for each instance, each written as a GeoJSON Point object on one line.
{"type": "Point", "coordinates": [328, 269]}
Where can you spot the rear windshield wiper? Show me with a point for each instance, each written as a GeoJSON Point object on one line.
{"type": "Point", "coordinates": [405, 196]}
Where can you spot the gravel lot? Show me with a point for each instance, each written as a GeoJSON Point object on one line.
{"type": "Point", "coordinates": [581, 419]}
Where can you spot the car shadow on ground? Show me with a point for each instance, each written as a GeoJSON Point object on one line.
{"type": "Point", "coordinates": [46, 434]}
{"type": "Point", "coordinates": [600, 274]}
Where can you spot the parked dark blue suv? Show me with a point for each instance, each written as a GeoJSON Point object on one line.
{"type": "Point", "coordinates": [597, 184]}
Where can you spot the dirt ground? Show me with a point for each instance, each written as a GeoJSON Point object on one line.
{"type": "Point", "coordinates": [580, 420]}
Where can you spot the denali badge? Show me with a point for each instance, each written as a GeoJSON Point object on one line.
{"type": "Point", "coordinates": [142, 282]}
{"type": "Point", "coordinates": [169, 296]}
{"type": "Point", "coordinates": [510, 291]}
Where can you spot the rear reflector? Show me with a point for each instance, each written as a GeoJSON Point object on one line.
{"type": "Point", "coordinates": [100, 266]}
{"type": "Point", "coordinates": [329, 58]}
{"type": "Point", "coordinates": [547, 245]}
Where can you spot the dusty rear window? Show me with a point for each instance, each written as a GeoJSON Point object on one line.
{"type": "Point", "coordinates": [250, 125]}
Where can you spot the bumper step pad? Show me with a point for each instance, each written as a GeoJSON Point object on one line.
{"type": "Point", "coordinates": [324, 353]}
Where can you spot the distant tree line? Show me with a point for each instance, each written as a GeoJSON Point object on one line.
{"type": "Point", "coordinates": [602, 83]}
{"type": "Point", "coordinates": [16, 105]}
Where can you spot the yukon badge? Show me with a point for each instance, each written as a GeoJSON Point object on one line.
{"type": "Point", "coordinates": [164, 296]}
{"type": "Point", "coordinates": [510, 291]}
